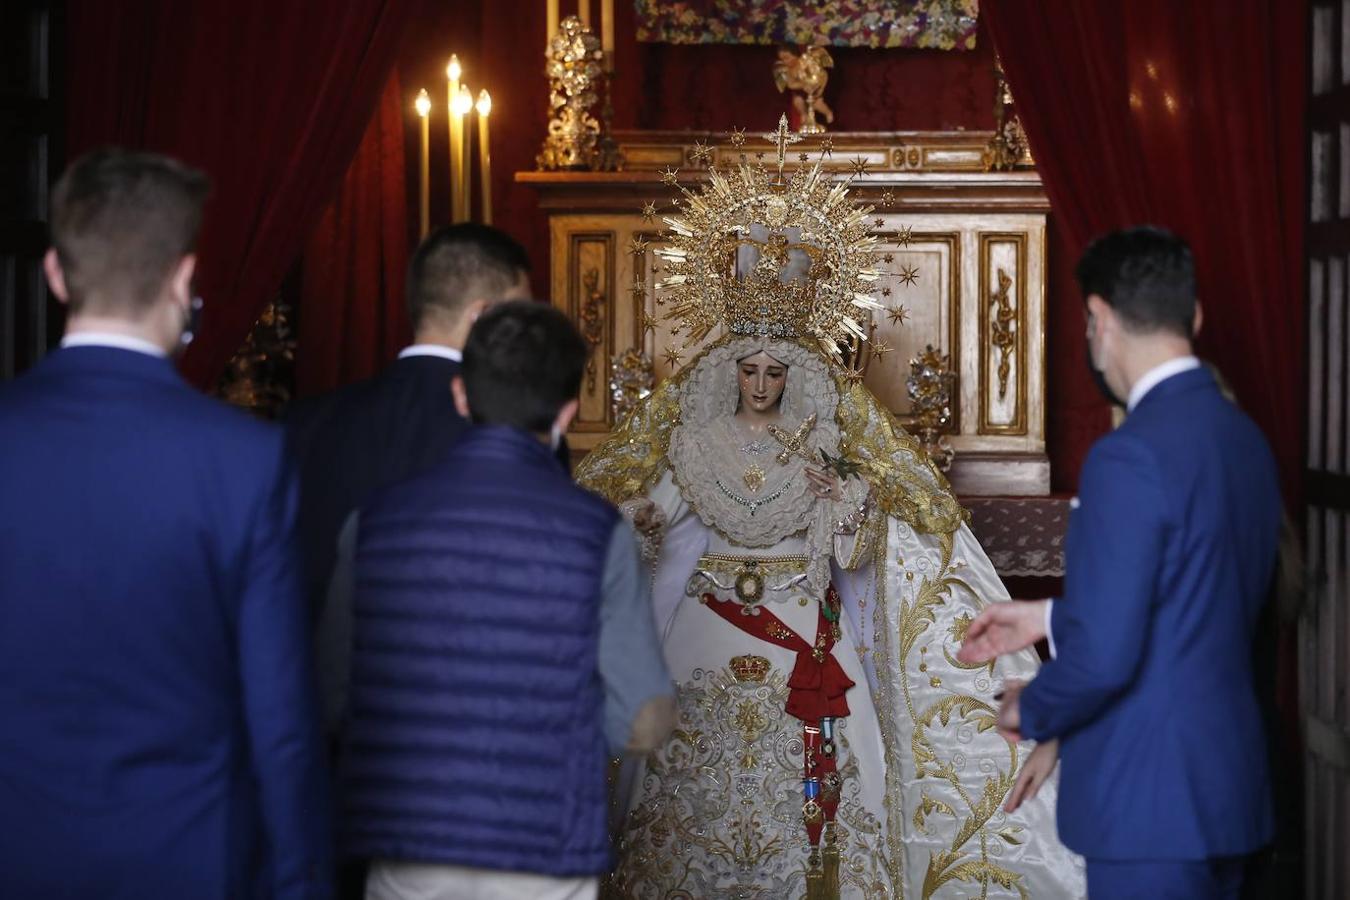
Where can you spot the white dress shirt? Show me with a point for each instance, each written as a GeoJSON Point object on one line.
{"type": "Point", "coordinates": [110, 339]}
{"type": "Point", "coordinates": [440, 350]}
{"type": "Point", "coordinates": [1147, 382]}
{"type": "Point", "coordinates": [1157, 375]}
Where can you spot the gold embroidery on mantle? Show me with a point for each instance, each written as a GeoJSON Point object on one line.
{"type": "Point", "coordinates": [722, 816]}
{"type": "Point", "coordinates": [968, 858]}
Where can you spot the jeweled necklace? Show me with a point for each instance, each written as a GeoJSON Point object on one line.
{"type": "Point", "coordinates": [752, 504]}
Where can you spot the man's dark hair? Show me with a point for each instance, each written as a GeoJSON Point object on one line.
{"type": "Point", "coordinates": [522, 362]}
{"type": "Point", "coordinates": [120, 223]}
{"type": "Point", "coordinates": [1147, 276]}
{"type": "Point", "coordinates": [459, 263]}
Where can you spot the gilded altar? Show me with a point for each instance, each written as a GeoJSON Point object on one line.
{"type": "Point", "coordinates": [961, 253]}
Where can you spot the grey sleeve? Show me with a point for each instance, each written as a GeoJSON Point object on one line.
{"type": "Point", "coordinates": [632, 666]}
{"type": "Point", "coordinates": [334, 640]}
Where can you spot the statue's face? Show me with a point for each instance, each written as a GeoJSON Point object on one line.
{"type": "Point", "coordinates": [761, 379]}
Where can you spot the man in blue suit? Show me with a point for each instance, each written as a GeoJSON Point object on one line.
{"type": "Point", "coordinates": [160, 731]}
{"type": "Point", "coordinates": [1170, 554]}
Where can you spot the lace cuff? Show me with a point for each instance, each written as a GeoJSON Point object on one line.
{"type": "Point", "coordinates": [854, 516]}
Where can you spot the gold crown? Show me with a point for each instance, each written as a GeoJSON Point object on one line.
{"type": "Point", "coordinates": [750, 668]}
{"type": "Point", "coordinates": [796, 218]}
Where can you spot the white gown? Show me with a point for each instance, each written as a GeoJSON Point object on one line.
{"type": "Point", "coordinates": [717, 813]}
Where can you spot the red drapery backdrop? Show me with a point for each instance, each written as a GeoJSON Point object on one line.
{"type": "Point", "coordinates": [1188, 116]}
{"type": "Point", "coordinates": [270, 99]}
{"type": "Point", "coordinates": [352, 318]}
{"type": "Point", "coordinates": [717, 87]}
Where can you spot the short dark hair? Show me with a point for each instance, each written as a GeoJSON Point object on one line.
{"type": "Point", "coordinates": [120, 222]}
{"type": "Point", "coordinates": [522, 362]}
{"type": "Point", "coordinates": [1147, 276]}
{"type": "Point", "coordinates": [456, 263]}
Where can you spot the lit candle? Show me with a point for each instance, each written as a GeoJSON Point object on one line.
{"type": "Point", "coordinates": [485, 153]}
{"type": "Point", "coordinates": [552, 26]}
{"type": "Point", "coordinates": [584, 11]}
{"type": "Point", "coordinates": [463, 106]}
{"type": "Point", "coordinates": [452, 73]}
{"type": "Point", "coordinates": [424, 170]}
{"type": "Point", "coordinates": [607, 28]}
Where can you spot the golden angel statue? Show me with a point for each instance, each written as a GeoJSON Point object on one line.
{"type": "Point", "coordinates": [805, 72]}
{"type": "Point", "coordinates": [812, 579]}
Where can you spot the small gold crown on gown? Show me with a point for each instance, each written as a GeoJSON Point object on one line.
{"type": "Point", "coordinates": [799, 216]}
{"type": "Point", "coordinates": [750, 668]}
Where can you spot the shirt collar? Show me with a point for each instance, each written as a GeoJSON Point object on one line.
{"type": "Point", "coordinates": [440, 350]}
{"type": "Point", "coordinates": [1157, 375]}
{"type": "Point", "coordinates": [111, 339]}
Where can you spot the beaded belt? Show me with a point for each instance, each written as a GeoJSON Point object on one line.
{"type": "Point", "coordinates": [749, 576]}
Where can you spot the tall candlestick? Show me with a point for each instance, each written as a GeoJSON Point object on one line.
{"type": "Point", "coordinates": [424, 170]}
{"type": "Point", "coordinates": [584, 11]}
{"type": "Point", "coordinates": [607, 29]}
{"type": "Point", "coordinates": [463, 105]}
{"type": "Point", "coordinates": [485, 153]}
{"type": "Point", "coordinates": [452, 73]}
{"type": "Point", "coordinates": [551, 28]}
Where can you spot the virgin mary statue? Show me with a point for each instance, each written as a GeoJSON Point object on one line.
{"type": "Point", "coordinates": [813, 576]}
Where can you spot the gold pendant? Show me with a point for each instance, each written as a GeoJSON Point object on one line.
{"type": "Point", "coordinates": [754, 478]}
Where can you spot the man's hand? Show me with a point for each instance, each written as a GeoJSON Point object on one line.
{"type": "Point", "coordinates": [1010, 712]}
{"type": "Point", "coordinates": [1003, 628]}
{"type": "Point", "coordinates": [1035, 770]}
{"type": "Point", "coordinates": [644, 515]}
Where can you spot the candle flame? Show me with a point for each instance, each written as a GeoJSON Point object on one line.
{"type": "Point", "coordinates": [484, 104]}
{"type": "Point", "coordinates": [463, 101]}
{"type": "Point", "coordinates": [423, 104]}
{"type": "Point", "coordinates": [452, 69]}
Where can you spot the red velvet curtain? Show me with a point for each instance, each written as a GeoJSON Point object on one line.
{"type": "Point", "coordinates": [271, 99]}
{"type": "Point", "coordinates": [352, 318]}
{"type": "Point", "coordinates": [1190, 116]}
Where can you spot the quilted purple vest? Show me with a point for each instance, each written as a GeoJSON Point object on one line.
{"type": "Point", "coordinates": [475, 733]}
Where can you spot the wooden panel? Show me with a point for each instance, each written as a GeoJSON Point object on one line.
{"type": "Point", "coordinates": [590, 303]}
{"type": "Point", "coordinates": [921, 270]}
{"type": "Point", "coordinates": [1003, 334]}
{"type": "Point", "coordinates": [943, 234]}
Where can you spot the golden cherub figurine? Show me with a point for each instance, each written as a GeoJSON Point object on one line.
{"type": "Point", "coordinates": [805, 72]}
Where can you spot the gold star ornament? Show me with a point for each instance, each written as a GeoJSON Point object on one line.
{"type": "Point", "coordinates": [859, 166]}
{"type": "Point", "coordinates": [648, 212]}
{"type": "Point", "coordinates": [672, 357]}
{"type": "Point", "coordinates": [670, 177]}
{"type": "Point", "coordinates": [637, 246]}
{"type": "Point", "coordinates": [908, 274]}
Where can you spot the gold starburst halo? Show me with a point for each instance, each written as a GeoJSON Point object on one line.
{"type": "Point", "coordinates": [799, 219]}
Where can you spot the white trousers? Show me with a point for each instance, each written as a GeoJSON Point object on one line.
{"type": "Point", "coordinates": [397, 880]}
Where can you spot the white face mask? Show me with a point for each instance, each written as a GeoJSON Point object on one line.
{"type": "Point", "coordinates": [555, 437]}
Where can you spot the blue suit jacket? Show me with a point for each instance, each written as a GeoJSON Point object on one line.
{"type": "Point", "coordinates": [1170, 556]}
{"type": "Point", "coordinates": [159, 729]}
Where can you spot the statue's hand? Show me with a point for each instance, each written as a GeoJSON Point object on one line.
{"type": "Point", "coordinates": [823, 483]}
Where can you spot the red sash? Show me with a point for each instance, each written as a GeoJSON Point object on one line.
{"type": "Point", "coordinates": [818, 682]}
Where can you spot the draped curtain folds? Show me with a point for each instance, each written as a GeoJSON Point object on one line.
{"type": "Point", "coordinates": [270, 99]}
{"type": "Point", "coordinates": [352, 316]}
{"type": "Point", "coordinates": [1188, 116]}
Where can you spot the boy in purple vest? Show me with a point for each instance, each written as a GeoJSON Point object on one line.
{"type": "Point", "coordinates": [497, 628]}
